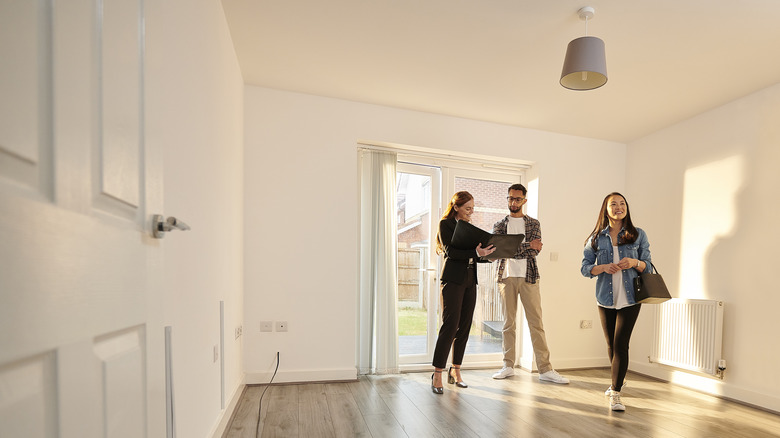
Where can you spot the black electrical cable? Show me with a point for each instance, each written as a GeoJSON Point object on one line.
{"type": "Point", "coordinates": [260, 406]}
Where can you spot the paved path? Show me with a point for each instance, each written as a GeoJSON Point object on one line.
{"type": "Point", "coordinates": [416, 345]}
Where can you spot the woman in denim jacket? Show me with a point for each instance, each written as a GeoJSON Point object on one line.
{"type": "Point", "coordinates": [615, 253]}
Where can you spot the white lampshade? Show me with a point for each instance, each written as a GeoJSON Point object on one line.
{"type": "Point", "coordinates": [585, 66]}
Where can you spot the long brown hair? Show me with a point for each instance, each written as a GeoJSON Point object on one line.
{"type": "Point", "coordinates": [630, 234]}
{"type": "Point", "coordinates": [458, 199]}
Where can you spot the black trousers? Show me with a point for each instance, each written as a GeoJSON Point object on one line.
{"type": "Point", "coordinates": [618, 325]}
{"type": "Point", "coordinates": [457, 314]}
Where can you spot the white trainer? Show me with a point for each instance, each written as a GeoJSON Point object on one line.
{"type": "Point", "coordinates": [609, 390]}
{"type": "Point", "coordinates": [553, 376]}
{"type": "Point", "coordinates": [504, 373]}
{"type": "Point", "coordinates": [614, 401]}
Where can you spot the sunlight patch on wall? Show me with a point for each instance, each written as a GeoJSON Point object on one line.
{"type": "Point", "coordinates": [532, 207]}
{"type": "Point", "coordinates": [708, 213]}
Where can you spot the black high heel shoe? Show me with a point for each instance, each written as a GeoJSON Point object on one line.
{"type": "Point", "coordinates": [439, 390]}
{"type": "Point", "coordinates": [451, 379]}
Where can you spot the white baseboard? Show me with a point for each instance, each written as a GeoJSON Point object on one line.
{"type": "Point", "coordinates": [581, 363]}
{"type": "Point", "coordinates": [301, 376]}
{"type": "Point", "coordinates": [526, 364]}
{"type": "Point", "coordinates": [708, 385]}
{"type": "Point", "coordinates": [223, 420]}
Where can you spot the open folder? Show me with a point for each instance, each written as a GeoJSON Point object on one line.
{"type": "Point", "coordinates": [468, 236]}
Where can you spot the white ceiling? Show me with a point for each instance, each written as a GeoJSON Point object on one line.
{"type": "Point", "coordinates": [500, 60]}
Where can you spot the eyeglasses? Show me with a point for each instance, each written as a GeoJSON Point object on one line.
{"type": "Point", "coordinates": [513, 199]}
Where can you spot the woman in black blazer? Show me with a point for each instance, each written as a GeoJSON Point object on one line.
{"type": "Point", "coordinates": [458, 290]}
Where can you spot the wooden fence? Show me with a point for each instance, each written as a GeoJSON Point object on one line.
{"type": "Point", "coordinates": [412, 287]}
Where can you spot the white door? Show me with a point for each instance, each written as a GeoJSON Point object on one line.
{"type": "Point", "coordinates": [425, 187]}
{"type": "Point", "coordinates": [418, 212]}
{"type": "Point", "coordinates": [489, 189]}
{"type": "Point", "coordinates": [79, 271]}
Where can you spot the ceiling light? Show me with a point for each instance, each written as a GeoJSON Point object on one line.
{"type": "Point", "coordinates": [585, 65]}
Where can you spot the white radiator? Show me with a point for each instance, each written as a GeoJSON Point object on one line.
{"type": "Point", "coordinates": [689, 334]}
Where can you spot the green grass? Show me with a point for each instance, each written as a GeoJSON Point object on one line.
{"type": "Point", "coordinates": [412, 321]}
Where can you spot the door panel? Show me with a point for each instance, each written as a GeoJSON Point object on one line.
{"type": "Point", "coordinates": [24, 37]}
{"type": "Point", "coordinates": [77, 263]}
{"type": "Point", "coordinates": [418, 189]}
{"type": "Point", "coordinates": [419, 265]}
{"type": "Point", "coordinates": [28, 397]}
{"type": "Point", "coordinates": [120, 126]}
{"type": "Point", "coordinates": [489, 190]}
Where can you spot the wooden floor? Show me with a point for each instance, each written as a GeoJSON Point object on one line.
{"type": "Point", "coordinates": [520, 406]}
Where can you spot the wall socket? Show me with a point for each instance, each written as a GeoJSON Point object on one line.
{"type": "Point", "coordinates": [216, 353]}
{"type": "Point", "coordinates": [266, 326]}
{"type": "Point", "coordinates": [281, 326]}
{"type": "Point", "coordinates": [586, 324]}
{"type": "Point", "coordinates": [239, 331]}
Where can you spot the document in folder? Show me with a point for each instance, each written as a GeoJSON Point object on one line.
{"type": "Point", "coordinates": [468, 236]}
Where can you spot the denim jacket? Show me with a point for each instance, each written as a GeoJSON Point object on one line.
{"type": "Point", "coordinates": [640, 249]}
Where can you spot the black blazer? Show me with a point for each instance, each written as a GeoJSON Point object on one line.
{"type": "Point", "coordinates": [456, 261]}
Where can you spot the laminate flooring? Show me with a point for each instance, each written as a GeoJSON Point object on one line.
{"type": "Point", "coordinates": [403, 405]}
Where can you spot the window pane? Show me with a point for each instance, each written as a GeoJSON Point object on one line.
{"type": "Point", "coordinates": [413, 213]}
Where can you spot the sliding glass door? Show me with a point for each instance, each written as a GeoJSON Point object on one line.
{"type": "Point", "coordinates": [489, 190]}
{"type": "Point", "coordinates": [417, 210]}
{"type": "Point", "coordinates": [423, 192]}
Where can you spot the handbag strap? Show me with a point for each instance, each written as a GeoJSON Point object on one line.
{"type": "Point", "coordinates": [654, 270]}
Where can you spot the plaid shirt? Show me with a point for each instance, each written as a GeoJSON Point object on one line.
{"type": "Point", "coordinates": [533, 231]}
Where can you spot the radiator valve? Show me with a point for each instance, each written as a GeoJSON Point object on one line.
{"type": "Point", "coordinates": [721, 368]}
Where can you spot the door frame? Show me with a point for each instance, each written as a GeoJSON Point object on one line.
{"type": "Point", "coordinates": [449, 169]}
{"type": "Point", "coordinates": [509, 177]}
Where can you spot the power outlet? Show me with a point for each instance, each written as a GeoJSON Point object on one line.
{"type": "Point", "coordinates": [281, 326]}
{"type": "Point", "coordinates": [266, 326]}
{"type": "Point", "coordinates": [239, 331]}
{"type": "Point", "coordinates": [586, 324]}
{"type": "Point", "coordinates": [216, 353]}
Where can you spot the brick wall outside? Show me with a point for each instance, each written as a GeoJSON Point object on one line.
{"type": "Point", "coordinates": [418, 234]}
{"type": "Point", "coordinates": [487, 194]}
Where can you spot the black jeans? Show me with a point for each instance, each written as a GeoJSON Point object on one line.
{"type": "Point", "coordinates": [457, 313]}
{"type": "Point", "coordinates": [618, 325]}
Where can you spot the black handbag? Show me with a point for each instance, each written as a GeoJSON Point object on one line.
{"type": "Point", "coordinates": [649, 288]}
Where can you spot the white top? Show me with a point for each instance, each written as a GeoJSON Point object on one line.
{"type": "Point", "coordinates": [516, 267]}
{"type": "Point", "coordinates": [619, 294]}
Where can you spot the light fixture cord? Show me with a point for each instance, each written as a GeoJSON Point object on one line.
{"type": "Point", "coordinates": [586, 26]}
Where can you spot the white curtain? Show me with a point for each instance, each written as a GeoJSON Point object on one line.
{"type": "Point", "coordinates": [377, 331]}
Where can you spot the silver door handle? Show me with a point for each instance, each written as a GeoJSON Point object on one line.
{"type": "Point", "coordinates": [160, 225]}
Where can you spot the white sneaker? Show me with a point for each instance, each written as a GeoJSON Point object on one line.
{"type": "Point", "coordinates": [614, 401]}
{"type": "Point", "coordinates": [504, 373]}
{"type": "Point", "coordinates": [553, 376]}
{"type": "Point", "coordinates": [609, 390]}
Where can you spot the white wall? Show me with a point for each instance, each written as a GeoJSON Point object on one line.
{"type": "Point", "coordinates": [195, 114]}
{"type": "Point", "coordinates": [301, 223]}
{"type": "Point", "coordinates": [715, 177]}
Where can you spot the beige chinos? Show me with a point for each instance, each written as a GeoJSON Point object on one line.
{"type": "Point", "coordinates": [531, 298]}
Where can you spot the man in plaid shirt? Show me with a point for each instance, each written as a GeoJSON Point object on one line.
{"type": "Point", "coordinates": [520, 276]}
